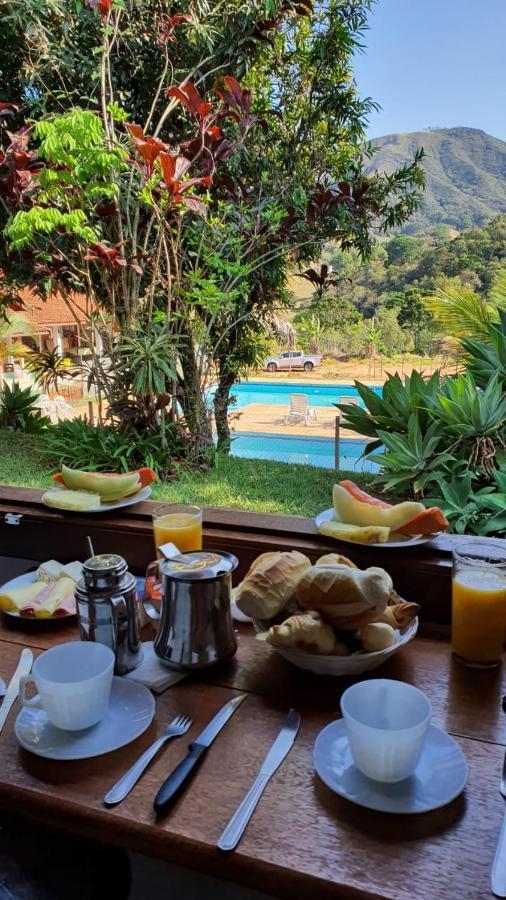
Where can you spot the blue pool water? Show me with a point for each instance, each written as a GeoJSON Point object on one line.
{"type": "Point", "coordinates": [273, 392]}
{"type": "Point", "coordinates": [311, 451]}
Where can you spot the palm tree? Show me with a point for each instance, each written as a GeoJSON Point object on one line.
{"type": "Point", "coordinates": [10, 345]}
{"type": "Point", "coordinates": [461, 312]}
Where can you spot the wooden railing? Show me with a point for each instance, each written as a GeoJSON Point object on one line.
{"type": "Point", "coordinates": [421, 574]}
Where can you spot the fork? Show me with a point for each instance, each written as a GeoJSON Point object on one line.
{"type": "Point", "coordinates": [119, 791]}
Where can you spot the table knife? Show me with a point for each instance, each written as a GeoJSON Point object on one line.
{"type": "Point", "coordinates": [279, 750]}
{"type": "Point", "coordinates": [23, 668]}
{"type": "Point", "coordinates": [174, 784]}
{"type": "Point", "coordinates": [499, 864]}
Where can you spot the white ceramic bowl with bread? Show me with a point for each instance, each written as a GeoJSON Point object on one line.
{"type": "Point", "coordinates": [331, 618]}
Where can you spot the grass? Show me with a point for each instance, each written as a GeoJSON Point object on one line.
{"type": "Point", "coordinates": [249, 484]}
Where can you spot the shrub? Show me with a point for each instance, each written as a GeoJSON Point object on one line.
{"type": "Point", "coordinates": [18, 411]}
{"type": "Point", "coordinates": [106, 448]}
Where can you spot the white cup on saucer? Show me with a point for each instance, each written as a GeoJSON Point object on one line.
{"type": "Point", "coordinates": [73, 682]}
{"type": "Point", "coordinates": [386, 722]}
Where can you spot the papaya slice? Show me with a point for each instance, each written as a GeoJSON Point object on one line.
{"type": "Point", "coordinates": [427, 522]}
{"type": "Point", "coordinates": [363, 496]}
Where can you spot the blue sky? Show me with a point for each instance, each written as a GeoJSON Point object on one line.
{"type": "Point", "coordinates": [435, 63]}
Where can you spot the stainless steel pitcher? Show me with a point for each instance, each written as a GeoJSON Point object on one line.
{"type": "Point", "coordinates": [195, 628]}
{"type": "Point", "coordinates": [107, 609]}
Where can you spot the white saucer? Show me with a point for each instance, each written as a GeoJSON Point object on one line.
{"type": "Point", "coordinates": [131, 711]}
{"type": "Point", "coordinates": [396, 540]}
{"type": "Point", "coordinates": [439, 777]}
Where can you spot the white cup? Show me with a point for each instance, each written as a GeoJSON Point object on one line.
{"type": "Point", "coordinates": [73, 682]}
{"type": "Point", "coordinates": [386, 722]}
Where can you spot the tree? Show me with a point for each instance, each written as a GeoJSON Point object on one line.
{"type": "Point", "coordinates": [413, 315]}
{"type": "Point", "coordinates": [195, 211]}
{"type": "Point", "coordinates": [403, 249]}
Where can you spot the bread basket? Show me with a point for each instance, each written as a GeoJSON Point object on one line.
{"type": "Point", "coordinates": [355, 664]}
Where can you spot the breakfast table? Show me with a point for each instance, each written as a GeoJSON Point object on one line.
{"type": "Point", "coordinates": [303, 839]}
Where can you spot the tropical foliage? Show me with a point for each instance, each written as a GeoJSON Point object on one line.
{"type": "Point", "coordinates": [18, 411]}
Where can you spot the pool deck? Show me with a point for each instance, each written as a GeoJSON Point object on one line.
{"type": "Point", "coordinates": [265, 418]}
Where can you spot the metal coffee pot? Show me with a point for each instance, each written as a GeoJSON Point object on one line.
{"type": "Point", "coordinates": [195, 628]}
{"type": "Point", "coordinates": [107, 609]}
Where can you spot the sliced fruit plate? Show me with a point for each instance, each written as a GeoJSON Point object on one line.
{"type": "Point", "coordinates": [394, 540]}
{"type": "Point", "coordinates": [44, 595]}
{"type": "Point", "coordinates": [361, 518]}
{"type": "Point", "coordinates": [97, 492]}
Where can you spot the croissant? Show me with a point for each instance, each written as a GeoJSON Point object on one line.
{"type": "Point", "coordinates": [270, 583]}
{"type": "Point", "coordinates": [377, 636]}
{"type": "Point", "coordinates": [335, 559]}
{"type": "Point", "coordinates": [399, 615]}
{"type": "Point", "coordinates": [346, 598]}
{"type": "Point", "coordinates": [304, 631]}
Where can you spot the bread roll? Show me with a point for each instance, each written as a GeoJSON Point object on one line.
{"type": "Point", "coordinates": [346, 598]}
{"type": "Point", "coordinates": [377, 636]}
{"type": "Point", "coordinates": [335, 559]}
{"type": "Point", "coordinates": [306, 632]}
{"type": "Point", "coordinates": [270, 583]}
{"type": "Point", "coordinates": [399, 615]}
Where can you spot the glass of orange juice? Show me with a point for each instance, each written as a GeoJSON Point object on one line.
{"type": "Point", "coordinates": [178, 524]}
{"type": "Point", "coordinates": [479, 603]}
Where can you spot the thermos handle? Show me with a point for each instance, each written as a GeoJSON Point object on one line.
{"type": "Point", "coordinates": [149, 607]}
{"type": "Point", "coordinates": [120, 621]}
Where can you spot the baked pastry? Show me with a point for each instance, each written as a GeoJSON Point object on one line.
{"type": "Point", "coordinates": [304, 631]}
{"type": "Point", "coordinates": [335, 559]}
{"type": "Point", "coordinates": [399, 615]}
{"type": "Point", "coordinates": [377, 636]}
{"type": "Point", "coordinates": [270, 583]}
{"type": "Point", "coordinates": [346, 598]}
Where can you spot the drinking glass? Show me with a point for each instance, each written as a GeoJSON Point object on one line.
{"type": "Point", "coordinates": [178, 524]}
{"type": "Point", "coordinates": [479, 603]}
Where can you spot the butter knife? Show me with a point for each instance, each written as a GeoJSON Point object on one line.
{"type": "Point", "coordinates": [499, 864]}
{"type": "Point", "coordinates": [23, 668]}
{"type": "Point", "coordinates": [279, 750]}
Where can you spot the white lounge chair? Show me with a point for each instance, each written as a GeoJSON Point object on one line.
{"type": "Point", "coordinates": [352, 400]}
{"type": "Point", "coordinates": [300, 410]}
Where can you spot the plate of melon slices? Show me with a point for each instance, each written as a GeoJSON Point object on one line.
{"type": "Point", "coordinates": [98, 492]}
{"type": "Point", "coordinates": [46, 594]}
{"type": "Point", "coordinates": [360, 518]}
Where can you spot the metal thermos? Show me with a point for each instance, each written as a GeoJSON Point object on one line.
{"type": "Point", "coordinates": [195, 628]}
{"type": "Point", "coordinates": [107, 609]}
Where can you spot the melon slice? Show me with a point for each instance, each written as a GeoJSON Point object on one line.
{"type": "Point", "coordinates": [74, 501]}
{"type": "Point", "coordinates": [110, 487]}
{"type": "Point", "coordinates": [363, 496]}
{"type": "Point", "coordinates": [367, 534]}
{"type": "Point", "coordinates": [355, 512]}
{"type": "Point", "coordinates": [146, 476]}
{"type": "Point", "coordinates": [428, 522]}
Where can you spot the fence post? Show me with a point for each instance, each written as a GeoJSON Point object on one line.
{"type": "Point", "coordinates": [336, 444]}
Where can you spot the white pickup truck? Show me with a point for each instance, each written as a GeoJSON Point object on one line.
{"type": "Point", "coordinates": [292, 359]}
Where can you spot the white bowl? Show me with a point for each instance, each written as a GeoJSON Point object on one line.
{"type": "Point", "coordinates": [348, 665]}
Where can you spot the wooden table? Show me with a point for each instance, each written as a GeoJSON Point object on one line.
{"type": "Point", "coordinates": [302, 839]}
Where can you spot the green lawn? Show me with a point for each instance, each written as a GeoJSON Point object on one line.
{"type": "Point", "coordinates": [256, 485]}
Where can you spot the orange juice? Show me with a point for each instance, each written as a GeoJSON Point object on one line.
{"type": "Point", "coordinates": [478, 614]}
{"type": "Point", "coordinates": [180, 528]}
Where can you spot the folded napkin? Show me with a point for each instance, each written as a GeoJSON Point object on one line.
{"type": "Point", "coordinates": [152, 673]}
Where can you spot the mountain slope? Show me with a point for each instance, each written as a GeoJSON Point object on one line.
{"type": "Point", "coordinates": [465, 172]}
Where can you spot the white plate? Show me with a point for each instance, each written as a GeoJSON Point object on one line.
{"type": "Point", "coordinates": [395, 540]}
{"type": "Point", "coordinates": [439, 777]}
{"type": "Point", "coordinates": [347, 665]}
{"type": "Point", "coordinates": [131, 710]}
{"type": "Point", "coordinates": [21, 581]}
{"type": "Point", "coordinates": [143, 494]}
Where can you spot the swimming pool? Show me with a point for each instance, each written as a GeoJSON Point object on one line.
{"type": "Point", "coordinates": [278, 394]}
{"type": "Point", "coordinates": [309, 451]}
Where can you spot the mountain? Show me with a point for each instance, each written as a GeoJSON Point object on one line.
{"type": "Point", "coordinates": [465, 171]}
